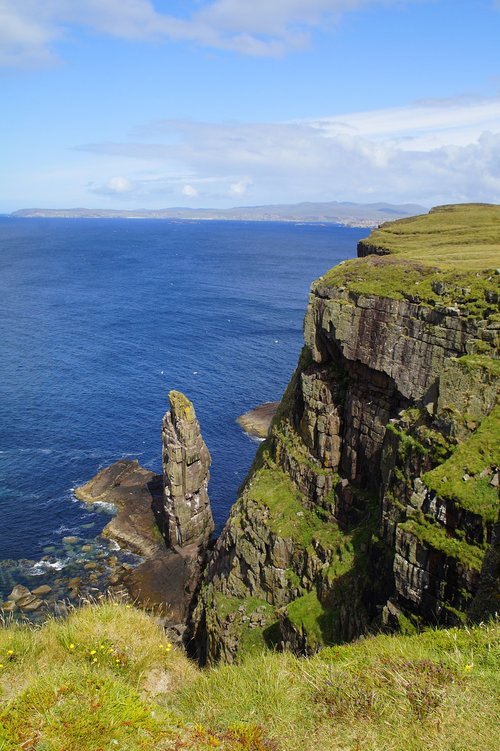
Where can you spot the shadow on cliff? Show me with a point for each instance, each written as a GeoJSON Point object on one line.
{"type": "Point", "coordinates": [353, 602]}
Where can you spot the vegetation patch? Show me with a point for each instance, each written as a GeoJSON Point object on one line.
{"type": "Point", "coordinates": [462, 236]}
{"type": "Point", "coordinates": [448, 258]}
{"type": "Point", "coordinates": [407, 444]}
{"type": "Point", "coordinates": [253, 620]}
{"type": "Point", "coordinates": [288, 518]}
{"type": "Point", "coordinates": [310, 617]}
{"type": "Point", "coordinates": [435, 536]}
{"type": "Point", "coordinates": [483, 362]}
{"type": "Point", "coordinates": [472, 460]}
{"type": "Point", "coordinates": [437, 690]}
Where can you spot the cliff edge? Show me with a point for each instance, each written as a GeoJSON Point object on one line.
{"type": "Point", "coordinates": [373, 500]}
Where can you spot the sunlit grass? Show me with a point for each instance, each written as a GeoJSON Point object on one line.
{"type": "Point", "coordinates": [461, 237]}
{"type": "Point", "coordinates": [107, 678]}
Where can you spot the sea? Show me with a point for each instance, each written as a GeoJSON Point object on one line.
{"type": "Point", "coordinates": [99, 319]}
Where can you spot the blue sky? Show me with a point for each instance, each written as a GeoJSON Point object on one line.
{"type": "Point", "coordinates": [150, 104]}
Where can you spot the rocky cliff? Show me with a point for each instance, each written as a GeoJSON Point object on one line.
{"type": "Point", "coordinates": [373, 500]}
{"type": "Point", "coordinates": [186, 513]}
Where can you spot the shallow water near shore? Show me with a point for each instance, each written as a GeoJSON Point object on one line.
{"type": "Point", "coordinates": [100, 319]}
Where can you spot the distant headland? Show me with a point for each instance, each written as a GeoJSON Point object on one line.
{"type": "Point", "coordinates": [331, 212]}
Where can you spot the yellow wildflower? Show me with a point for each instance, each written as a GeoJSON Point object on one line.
{"type": "Point", "coordinates": [71, 646]}
{"type": "Point", "coordinates": [10, 652]}
{"type": "Point", "coordinates": [468, 667]}
{"type": "Point", "coordinates": [93, 651]}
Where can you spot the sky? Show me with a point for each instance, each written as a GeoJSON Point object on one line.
{"type": "Point", "coordinates": [217, 103]}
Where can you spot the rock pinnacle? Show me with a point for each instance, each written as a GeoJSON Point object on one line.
{"type": "Point", "coordinates": [186, 461]}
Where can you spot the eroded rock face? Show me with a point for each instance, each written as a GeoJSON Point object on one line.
{"type": "Point", "coordinates": [135, 492]}
{"type": "Point", "coordinates": [187, 517]}
{"type": "Point", "coordinates": [341, 525]}
{"type": "Point", "coordinates": [175, 505]}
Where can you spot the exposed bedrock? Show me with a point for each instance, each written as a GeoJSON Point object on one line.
{"type": "Point", "coordinates": [167, 520]}
{"type": "Point", "coordinates": [373, 499]}
{"type": "Point", "coordinates": [186, 513]}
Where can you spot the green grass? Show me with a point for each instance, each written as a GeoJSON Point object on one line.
{"type": "Point", "coordinates": [447, 258]}
{"type": "Point", "coordinates": [463, 236]}
{"type": "Point", "coordinates": [435, 536]}
{"type": "Point", "coordinates": [404, 693]}
{"type": "Point", "coordinates": [472, 363]}
{"type": "Point", "coordinates": [438, 690]}
{"type": "Point", "coordinates": [309, 616]}
{"type": "Point", "coordinates": [250, 639]}
{"type": "Point", "coordinates": [481, 451]}
{"type": "Point", "coordinates": [288, 518]}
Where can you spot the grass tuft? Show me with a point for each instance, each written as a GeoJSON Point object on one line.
{"type": "Point", "coordinates": [439, 690]}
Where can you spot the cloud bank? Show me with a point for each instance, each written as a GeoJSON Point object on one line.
{"type": "Point", "coordinates": [430, 152]}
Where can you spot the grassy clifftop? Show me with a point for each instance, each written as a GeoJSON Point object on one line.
{"type": "Point", "coordinates": [456, 237]}
{"type": "Point", "coordinates": [106, 678]}
{"type": "Point", "coordinates": [448, 257]}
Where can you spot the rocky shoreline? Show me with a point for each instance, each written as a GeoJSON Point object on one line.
{"type": "Point", "coordinates": [257, 421]}
{"type": "Point", "coordinates": [164, 520]}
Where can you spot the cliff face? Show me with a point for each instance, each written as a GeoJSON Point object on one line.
{"type": "Point", "coordinates": [373, 500]}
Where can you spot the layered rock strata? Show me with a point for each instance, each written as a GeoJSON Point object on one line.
{"type": "Point", "coordinates": [165, 519]}
{"type": "Point", "coordinates": [186, 513]}
{"type": "Point", "coordinates": [373, 499]}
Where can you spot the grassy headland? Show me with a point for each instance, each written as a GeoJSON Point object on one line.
{"type": "Point", "coordinates": [106, 678]}
{"type": "Point", "coordinates": [457, 237]}
{"type": "Point", "coordinates": [448, 257]}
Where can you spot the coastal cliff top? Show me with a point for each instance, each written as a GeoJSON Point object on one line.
{"type": "Point", "coordinates": [450, 256]}
{"type": "Point", "coordinates": [462, 236]}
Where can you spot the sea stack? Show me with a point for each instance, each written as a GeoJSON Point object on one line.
{"type": "Point", "coordinates": [187, 515]}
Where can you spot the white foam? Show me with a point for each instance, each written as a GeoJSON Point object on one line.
{"type": "Point", "coordinates": [108, 508]}
{"type": "Point", "coordinates": [41, 567]}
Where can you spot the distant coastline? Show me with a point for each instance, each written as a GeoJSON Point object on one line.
{"type": "Point", "coordinates": [334, 212]}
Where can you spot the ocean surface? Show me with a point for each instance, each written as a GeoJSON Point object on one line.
{"type": "Point", "coordinates": [100, 319]}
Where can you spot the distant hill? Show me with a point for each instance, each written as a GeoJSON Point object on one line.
{"type": "Point", "coordinates": [335, 212]}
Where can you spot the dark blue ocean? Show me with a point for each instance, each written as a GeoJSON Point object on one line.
{"type": "Point", "coordinates": [101, 318]}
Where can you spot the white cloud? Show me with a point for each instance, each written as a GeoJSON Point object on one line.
{"type": "Point", "coordinates": [115, 186]}
{"type": "Point", "coordinates": [239, 188]}
{"type": "Point", "coordinates": [429, 152]}
{"type": "Point", "coordinates": [189, 191]}
{"type": "Point", "coordinates": [29, 29]}
{"type": "Point", "coordinates": [25, 35]}
{"type": "Point", "coordinates": [120, 185]}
